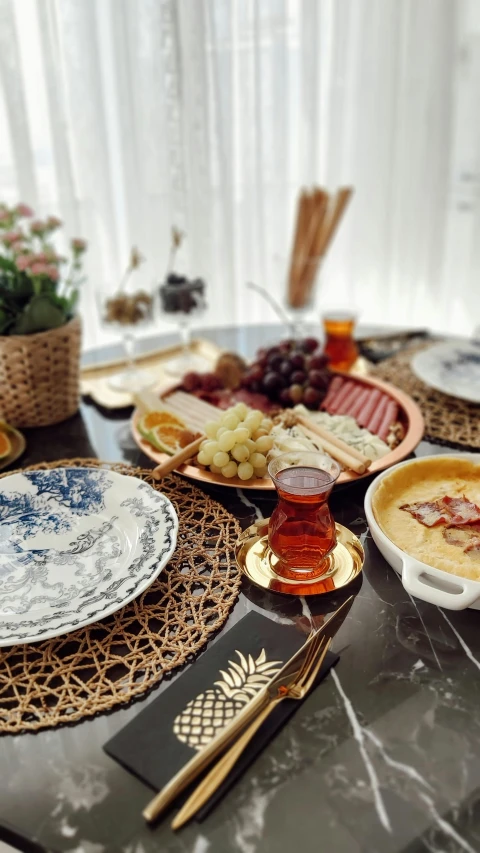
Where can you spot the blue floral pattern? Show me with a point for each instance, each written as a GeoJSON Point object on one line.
{"type": "Point", "coordinates": [71, 549]}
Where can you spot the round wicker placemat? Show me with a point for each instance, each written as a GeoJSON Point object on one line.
{"type": "Point", "coordinates": [111, 662]}
{"type": "Point", "coordinates": [448, 420]}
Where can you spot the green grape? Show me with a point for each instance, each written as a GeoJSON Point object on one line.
{"type": "Point", "coordinates": [261, 472]}
{"type": "Point", "coordinates": [259, 433]}
{"type": "Point", "coordinates": [208, 451]}
{"type": "Point", "coordinates": [258, 460]}
{"type": "Point", "coordinates": [230, 469]}
{"type": "Point", "coordinates": [230, 420]}
{"type": "Point", "coordinates": [245, 471]}
{"type": "Point", "coordinates": [203, 458]}
{"type": "Point", "coordinates": [241, 410]}
{"type": "Point", "coordinates": [226, 441]}
{"type": "Point", "coordinates": [241, 435]}
{"type": "Point", "coordinates": [267, 424]}
{"type": "Point", "coordinates": [220, 459]}
{"type": "Point", "coordinates": [215, 470]}
{"type": "Point", "coordinates": [240, 452]}
{"type": "Point", "coordinates": [251, 445]}
{"type": "Point", "coordinates": [254, 419]}
{"type": "Point", "coordinates": [211, 428]}
{"type": "Point", "coordinates": [221, 430]}
{"type": "Point", "coordinates": [264, 443]}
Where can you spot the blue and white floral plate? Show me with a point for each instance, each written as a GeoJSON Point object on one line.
{"type": "Point", "coordinates": [453, 368]}
{"type": "Point", "coordinates": [76, 544]}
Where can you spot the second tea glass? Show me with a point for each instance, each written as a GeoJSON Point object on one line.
{"type": "Point", "coordinates": [301, 531]}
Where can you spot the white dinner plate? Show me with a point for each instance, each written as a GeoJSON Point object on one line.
{"type": "Point", "coordinates": [76, 544]}
{"type": "Point", "coordinates": [453, 368]}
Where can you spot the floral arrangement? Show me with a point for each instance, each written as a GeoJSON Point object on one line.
{"type": "Point", "coordinates": [34, 294]}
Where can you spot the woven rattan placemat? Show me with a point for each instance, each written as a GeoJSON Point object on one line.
{"type": "Point", "coordinates": [111, 662]}
{"type": "Point", "coordinates": [448, 420]}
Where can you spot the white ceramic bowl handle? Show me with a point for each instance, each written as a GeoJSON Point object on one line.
{"type": "Point", "coordinates": [414, 585]}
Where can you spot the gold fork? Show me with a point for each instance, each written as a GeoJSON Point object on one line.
{"type": "Point", "coordinates": [298, 689]}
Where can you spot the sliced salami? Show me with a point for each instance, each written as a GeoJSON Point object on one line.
{"type": "Point", "coordinates": [360, 403]}
{"type": "Point", "coordinates": [333, 389]}
{"type": "Point", "coordinates": [373, 424]}
{"type": "Point", "coordinates": [370, 406]}
{"type": "Point", "coordinates": [349, 400]}
{"type": "Point", "coordinates": [389, 418]}
{"type": "Point", "coordinates": [341, 396]}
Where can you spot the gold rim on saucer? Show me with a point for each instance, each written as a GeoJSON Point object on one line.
{"type": "Point", "coordinates": [257, 562]}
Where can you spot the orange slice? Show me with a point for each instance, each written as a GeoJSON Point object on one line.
{"type": "Point", "coordinates": [5, 446]}
{"type": "Point", "coordinates": [154, 419]}
{"type": "Point", "coordinates": [170, 437]}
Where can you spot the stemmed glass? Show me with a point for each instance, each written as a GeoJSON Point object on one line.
{"type": "Point", "coordinates": [127, 313]}
{"type": "Point", "coordinates": [183, 300]}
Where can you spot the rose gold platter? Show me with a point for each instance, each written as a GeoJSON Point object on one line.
{"type": "Point", "coordinates": [409, 415]}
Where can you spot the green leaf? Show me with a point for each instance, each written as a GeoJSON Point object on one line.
{"type": "Point", "coordinates": [7, 265]}
{"type": "Point", "coordinates": [39, 315]}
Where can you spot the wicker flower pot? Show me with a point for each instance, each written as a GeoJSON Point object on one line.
{"type": "Point", "coordinates": [39, 376]}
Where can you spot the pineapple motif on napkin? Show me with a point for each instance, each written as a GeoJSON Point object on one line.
{"type": "Point", "coordinates": [165, 733]}
{"type": "Point", "coordinates": [210, 712]}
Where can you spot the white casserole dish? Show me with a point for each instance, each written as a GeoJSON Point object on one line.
{"type": "Point", "coordinates": [419, 579]}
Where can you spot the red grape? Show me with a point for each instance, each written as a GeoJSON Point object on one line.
{"type": "Point", "coordinates": [192, 381]}
{"type": "Point", "coordinates": [272, 381]}
{"type": "Point", "coordinates": [296, 393]}
{"type": "Point", "coordinates": [297, 359]}
{"type": "Point", "coordinates": [284, 397]}
{"type": "Point", "coordinates": [274, 362]}
{"type": "Point", "coordinates": [298, 377]}
{"type": "Point", "coordinates": [318, 361]}
{"type": "Point", "coordinates": [286, 345]}
{"type": "Point", "coordinates": [318, 378]}
{"type": "Point", "coordinates": [286, 367]}
{"type": "Point", "coordinates": [308, 344]}
{"type": "Point", "coordinates": [210, 382]}
{"type": "Point", "coordinates": [311, 397]}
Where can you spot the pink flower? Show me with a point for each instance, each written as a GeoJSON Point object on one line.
{"type": "Point", "coordinates": [53, 222]}
{"type": "Point", "coordinates": [39, 269]}
{"type": "Point", "coordinates": [18, 247]}
{"type": "Point", "coordinates": [4, 215]}
{"type": "Point", "coordinates": [23, 261]}
{"type": "Point", "coordinates": [38, 227]}
{"type": "Point", "coordinates": [51, 256]}
{"type": "Point", "coordinates": [40, 257]}
{"type": "Point", "coordinates": [52, 272]}
{"type": "Point", "coordinates": [11, 237]}
{"type": "Point", "coordinates": [24, 210]}
{"type": "Point", "coordinates": [78, 245]}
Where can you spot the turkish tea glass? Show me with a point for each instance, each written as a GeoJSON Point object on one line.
{"type": "Point", "coordinates": [301, 531]}
{"type": "Point", "coordinates": [339, 342]}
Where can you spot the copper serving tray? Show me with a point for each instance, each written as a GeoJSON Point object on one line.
{"type": "Point", "coordinates": [409, 415]}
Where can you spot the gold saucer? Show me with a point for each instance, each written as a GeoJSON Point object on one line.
{"type": "Point", "coordinates": [257, 561]}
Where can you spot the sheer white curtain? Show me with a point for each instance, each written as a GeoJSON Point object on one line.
{"type": "Point", "coordinates": [128, 116]}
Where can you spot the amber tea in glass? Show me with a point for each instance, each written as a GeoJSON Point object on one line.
{"type": "Point", "coordinates": [301, 531]}
{"type": "Point", "coordinates": [339, 343]}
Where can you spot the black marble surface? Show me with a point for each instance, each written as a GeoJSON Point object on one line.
{"type": "Point", "coordinates": [384, 757]}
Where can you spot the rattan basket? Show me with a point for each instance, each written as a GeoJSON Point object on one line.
{"type": "Point", "coordinates": [39, 376]}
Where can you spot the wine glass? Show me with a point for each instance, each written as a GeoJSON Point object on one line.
{"type": "Point", "coordinates": [127, 313]}
{"type": "Point", "coordinates": [181, 301]}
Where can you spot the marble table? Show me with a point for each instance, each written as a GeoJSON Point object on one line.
{"type": "Point", "coordinates": [383, 757]}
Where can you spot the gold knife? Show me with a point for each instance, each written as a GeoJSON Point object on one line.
{"type": "Point", "coordinates": [218, 744]}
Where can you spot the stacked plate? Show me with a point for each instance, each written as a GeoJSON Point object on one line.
{"type": "Point", "coordinates": [76, 544]}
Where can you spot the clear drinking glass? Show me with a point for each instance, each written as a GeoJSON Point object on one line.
{"type": "Point", "coordinates": [339, 342]}
{"type": "Point", "coordinates": [183, 300]}
{"type": "Point", "coordinates": [301, 531]}
{"type": "Point", "coordinates": [128, 313]}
